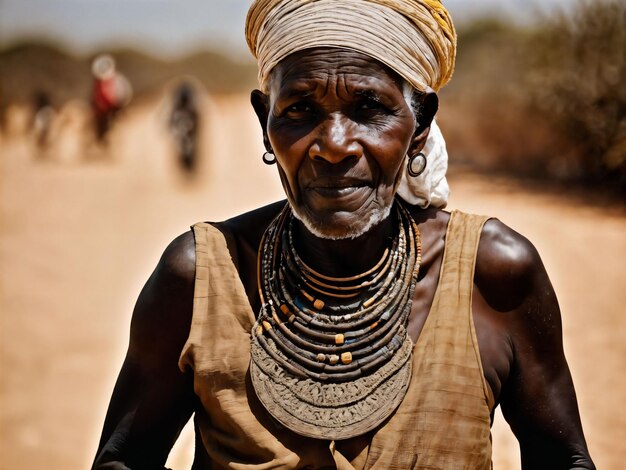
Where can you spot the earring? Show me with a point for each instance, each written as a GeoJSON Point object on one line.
{"type": "Point", "coordinates": [269, 158]}
{"type": "Point", "coordinates": [416, 165]}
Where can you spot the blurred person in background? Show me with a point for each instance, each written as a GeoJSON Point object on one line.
{"type": "Point", "coordinates": [357, 324]}
{"type": "Point", "coordinates": [110, 93]}
{"type": "Point", "coordinates": [183, 125]}
{"type": "Point", "coordinates": [3, 112]}
{"type": "Point", "coordinates": [43, 117]}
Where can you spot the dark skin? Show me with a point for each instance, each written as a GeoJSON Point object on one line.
{"type": "Point", "coordinates": [323, 126]}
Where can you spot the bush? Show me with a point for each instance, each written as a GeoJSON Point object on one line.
{"type": "Point", "coordinates": [577, 79]}
{"type": "Point", "coordinates": [543, 101]}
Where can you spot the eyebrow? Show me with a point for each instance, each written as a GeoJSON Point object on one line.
{"type": "Point", "coordinates": [305, 92]}
{"type": "Point", "coordinates": [294, 91]}
{"type": "Point", "coordinates": [297, 92]}
{"type": "Point", "coordinates": [368, 93]}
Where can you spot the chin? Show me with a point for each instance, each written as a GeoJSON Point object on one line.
{"type": "Point", "coordinates": [342, 228]}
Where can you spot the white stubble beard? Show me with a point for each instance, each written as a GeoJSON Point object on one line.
{"type": "Point", "coordinates": [376, 216]}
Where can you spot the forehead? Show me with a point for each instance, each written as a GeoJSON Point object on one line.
{"type": "Point", "coordinates": [308, 69]}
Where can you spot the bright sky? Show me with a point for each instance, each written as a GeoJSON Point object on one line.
{"type": "Point", "coordinates": [170, 27]}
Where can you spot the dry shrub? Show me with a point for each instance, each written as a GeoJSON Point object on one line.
{"type": "Point", "coordinates": [547, 101]}
{"type": "Point", "coordinates": [577, 79]}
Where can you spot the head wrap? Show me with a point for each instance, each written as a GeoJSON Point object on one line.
{"type": "Point", "coordinates": [415, 38]}
{"type": "Point", "coordinates": [431, 187]}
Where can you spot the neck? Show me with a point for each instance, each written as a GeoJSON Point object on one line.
{"type": "Point", "coordinates": [343, 258]}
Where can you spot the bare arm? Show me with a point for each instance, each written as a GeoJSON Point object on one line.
{"type": "Point", "coordinates": [153, 399]}
{"type": "Point", "coordinates": [537, 398]}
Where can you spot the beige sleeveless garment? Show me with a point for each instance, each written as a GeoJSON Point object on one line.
{"type": "Point", "coordinates": [443, 422]}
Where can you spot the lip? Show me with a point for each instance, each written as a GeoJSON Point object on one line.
{"type": "Point", "coordinates": [337, 191]}
{"type": "Point", "coordinates": [338, 188]}
{"type": "Point", "coordinates": [337, 184]}
{"type": "Point", "coordinates": [337, 196]}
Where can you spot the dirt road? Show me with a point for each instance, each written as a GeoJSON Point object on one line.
{"type": "Point", "coordinates": [81, 228]}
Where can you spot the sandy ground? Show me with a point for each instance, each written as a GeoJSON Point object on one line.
{"type": "Point", "coordinates": [82, 227]}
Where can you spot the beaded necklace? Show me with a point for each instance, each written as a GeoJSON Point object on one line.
{"type": "Point", "coordinates": [330, 357]}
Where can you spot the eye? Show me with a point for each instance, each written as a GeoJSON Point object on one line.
{"type": "Point", "coordinates": [370, 108]}
{"type": "Point", "coordinates": [371, 104]}
{"type": "Point", "coordinates": [298, 110]}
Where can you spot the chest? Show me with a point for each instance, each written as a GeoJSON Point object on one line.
{"type": "Point", "coordinates": [444, 399]}
{"type": "Point", "coordinates": [490, 329]}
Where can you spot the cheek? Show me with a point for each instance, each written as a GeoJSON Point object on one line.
{"type": "Point", "coordinates": [286, 182]}
{"type": "Point", "coordinates": [289, 156]}
{"type": "Point", "coordinates": [392, 152]}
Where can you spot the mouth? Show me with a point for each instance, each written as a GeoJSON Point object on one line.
{"type": "Point", "coordinates": [338, 187]}
{"type": "Point", "coordinates": [337, 194]}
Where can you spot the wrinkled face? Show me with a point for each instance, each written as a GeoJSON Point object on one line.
{"type": "Point", "coordinates": [340, 128]}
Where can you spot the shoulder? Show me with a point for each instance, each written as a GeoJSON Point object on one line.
{"type": "Point", "coordinates": [507, 266]}
{"type": "Point", "coordinates": [249, 227]}
{"type": "Point", "coordinates": [163, 312]}
{"type": "Point", "coordinates": [179, 259]}
{"type": "Point", "coordinates": [254, 219]}
{"type": "Point", "coordinates": [177, 264]}
{"type": "Point", "coordinates": [432, 222]}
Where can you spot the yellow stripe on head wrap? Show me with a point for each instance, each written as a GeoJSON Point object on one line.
{"type": "Point", "coordinates": [416, 38]}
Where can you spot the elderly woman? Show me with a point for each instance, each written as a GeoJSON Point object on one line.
{"type": "Point", "coordinates": [356, 325]}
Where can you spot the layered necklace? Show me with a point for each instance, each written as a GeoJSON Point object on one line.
{"type": "Point", "coordinates": [330, 356]}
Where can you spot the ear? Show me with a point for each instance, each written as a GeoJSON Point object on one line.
{"type": "Point", "coordinates": [260, 103]}
{"type": "Point", "coordinates": [428, 105]}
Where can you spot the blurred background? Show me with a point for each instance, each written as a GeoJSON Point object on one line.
{"type": "Point", "coordinates": [122, 122]}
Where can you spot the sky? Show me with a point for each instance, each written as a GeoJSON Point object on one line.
{"type": "Point", "coordinates": [173, 27]}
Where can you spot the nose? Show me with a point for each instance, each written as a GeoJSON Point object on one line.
{"type": "Point", "coordinates": [336, 140]}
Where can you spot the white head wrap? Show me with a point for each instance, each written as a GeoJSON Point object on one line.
{"type": "Point", "coordinates": [431, 187]}
{"type": "Point", "coordinates": [415, 38]}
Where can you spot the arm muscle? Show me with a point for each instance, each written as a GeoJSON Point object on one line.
{"type": "Point", "coordinates": [153, 399]}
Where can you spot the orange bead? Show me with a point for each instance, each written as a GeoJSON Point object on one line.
{"type": "Point", "coordinates": [308, 296]}
{"type": "Point", "coordinates": [346, 358]}
{"type": "Point", "coordinates": [339, 338]}
{"type": "Point", "coordinates": [368, 302]}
